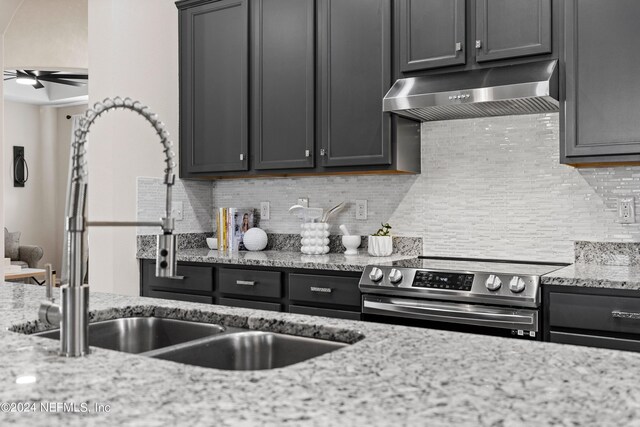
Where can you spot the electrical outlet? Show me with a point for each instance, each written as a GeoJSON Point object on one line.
{"type": "Point", "coordinates": [265, 212]}
{"type": "Point", "coordinates": [627, 210]}
{"type": "Point", "coordinates": [303, 201]}
{"type": "Point", "coordinates": [361, 209]}
{"type": "Point", "coordinates": [177, 211]}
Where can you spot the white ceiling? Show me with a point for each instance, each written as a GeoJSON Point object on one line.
{"type": "Point", "coordinates": [50, 94]}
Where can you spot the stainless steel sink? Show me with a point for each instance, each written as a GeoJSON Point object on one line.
{"type": "Point", "coordinates": [142, 334]}
{"type": "Point", "coordinates": [247, 350]}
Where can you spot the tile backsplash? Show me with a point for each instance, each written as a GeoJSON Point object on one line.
{"type": "Point", "coordinates": [489, 187]}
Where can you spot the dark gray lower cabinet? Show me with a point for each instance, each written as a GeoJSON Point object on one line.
{"type": "Point", "coordinates": [592, 317]}
{"type": "Point", "coordinates": [283, 77]}
{"type": "Point", "coordinates": [325, 312]}
{"type": "Point", "coordinates": [599, 121]}
{"type": "Point", "coordinates": [310, 292]}
{"type": "Point", "coordinates": [354, 43]}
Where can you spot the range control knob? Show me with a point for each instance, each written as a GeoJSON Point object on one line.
{"type": "Point", "coordinates": [517, 284]}
{"type": "Point", "coordinates": [376, 274]}
{"type": "Point", "coordinates": [395, 275]}
{"type": "Point", "coordinates": [493, 282]}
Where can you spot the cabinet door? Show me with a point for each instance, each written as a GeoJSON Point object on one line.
{"type": "Point", "coordinates": [283, 75]}
{"type": "Point", "coordinates": [431, 33]}
{"type": "Point", "coordinates": [512, 28]}
{"type": "Point", "coordinates": [355, 74]}
{"type": "Point", "coordinates": [602, 108]}
{"type": "Point", "coordinates": [214, 87]}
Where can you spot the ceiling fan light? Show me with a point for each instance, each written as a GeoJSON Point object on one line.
{"type": "Point", "coordinates": [26, 80]}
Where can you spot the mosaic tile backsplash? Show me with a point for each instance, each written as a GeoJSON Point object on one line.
{"type": "Point", "coordinates": [489, 187]}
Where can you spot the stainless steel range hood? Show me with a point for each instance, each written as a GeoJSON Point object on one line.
{"type": "Point", "coordinates": [500, 91]}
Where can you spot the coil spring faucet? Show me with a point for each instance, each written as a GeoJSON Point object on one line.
{"type": "Point", "coordinates": [73, 313]}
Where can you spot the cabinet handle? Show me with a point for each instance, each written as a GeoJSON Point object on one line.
{"type": "Point", "coordinates": [241, 157]}
{"type": "Point", "coordinates": [246, 282]}
{"type": "Point", "coordinates": [625, 315]}
{"type": "Point", "coordinates": [307, 153]}
{"type": "Point", "coordinates": [458, 47]}
{"type": "Point", "coordinates": [323, 152]}
{"type": "Point", "coordinates": [478, 44]}
{"type": "Point", "coordinates": [320, 290]}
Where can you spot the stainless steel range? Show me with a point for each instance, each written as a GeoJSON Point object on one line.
{"type": "Point", "coordinates": [494, 297]}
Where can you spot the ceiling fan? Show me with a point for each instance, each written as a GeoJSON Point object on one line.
{"type": "Point", "coordinates": [35, 78]}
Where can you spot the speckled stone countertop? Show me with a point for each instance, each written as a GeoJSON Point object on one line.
{"type": "Point", "coordinates": [285, 259]}
{"type": "Point", "coordinates": [394, 376]}
{"type": "Point", "coordinates": [595, 276]}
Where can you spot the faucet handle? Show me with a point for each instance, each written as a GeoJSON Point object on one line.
{"type": "Point", "coordinates": [166, 260]}
{"type": "Point", "coordinates": [49, 282]}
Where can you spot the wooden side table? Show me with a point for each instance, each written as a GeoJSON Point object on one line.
{"type": "Point", "coordinates": [36, 274]}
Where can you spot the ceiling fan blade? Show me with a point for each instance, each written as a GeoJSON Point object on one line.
{"type": "Point", "coordinates": [53, 79]}
{"type": "Point", "coordinates": [39, 73]}
{"type": "Point", "coordinates": [38, 85]}
{"type": "Point", "coordinates": [29, 73]}
{"type": "Point", "coordinates": [9, 78]}
{"type": "Point", "coordinates": [72, 76]}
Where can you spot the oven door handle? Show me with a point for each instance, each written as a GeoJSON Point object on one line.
{"type": "Point", "coordinates": [525, 320]}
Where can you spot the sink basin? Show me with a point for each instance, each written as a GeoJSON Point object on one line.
{"type": "Point", "coordinates": [248, 350]}
{"type": "Point", "coordinates": [142, 334]}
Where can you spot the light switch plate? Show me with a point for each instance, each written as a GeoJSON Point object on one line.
{"type": "Point", "coordinates": [627, 210]}
{"type": "Point", "coordinates": [361, 209]}
{"type": "Point", "coordinates": [265, 211]}
{"type": "Point", "coordinates": [177, 211]}
{"type": "Point", "coordinates": [303, 201]}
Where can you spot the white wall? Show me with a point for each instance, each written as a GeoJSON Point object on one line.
{"type": "Point", "coordinates": [48, 35]}
{"type": "Point", "coordinates": [30, 209]}
{"type": "Point", "coordinates": [133, 51]}
{"type": "Point", "coordinates": [7, 9]}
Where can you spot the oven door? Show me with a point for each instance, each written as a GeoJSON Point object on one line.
{"type": "Point", "coordinates": [518, 320]}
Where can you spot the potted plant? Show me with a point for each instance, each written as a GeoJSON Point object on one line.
{"type": "Point", "coordinates": [381, 243]}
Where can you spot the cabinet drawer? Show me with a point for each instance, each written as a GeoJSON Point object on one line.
{"type": "Point", "coordinates": [595, 341]}
{"type": "Point", "coordinates": [179, 297]}
{"type": "Point", "coordinates": [258, 305]}
{"type": "Point", "coordinates": [595, 312]}
{"type": "Point", "coordinates": [196, 278]}
{"type": "Point", "coordinates": [324, 289]}
{"type": "Point", "coordinates": [256, 283]}
{"type": "Point", "coordinates": [325, 312]}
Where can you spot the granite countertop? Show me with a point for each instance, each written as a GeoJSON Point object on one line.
{"type": "Point", "coordinates": [276, 258]}
{"type": "Point", "coordinates": [394, 376]}
{"type": "Point", "coordinates": [595, 276]}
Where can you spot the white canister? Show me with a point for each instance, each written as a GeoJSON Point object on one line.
{"type": "Point", "coordinates": [315, 238]}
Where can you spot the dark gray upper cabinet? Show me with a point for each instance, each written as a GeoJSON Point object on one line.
{"type": "Point", "coordinates": [283, 77]}
{"type": "Point", "coordinates": [512, 28]}
{"type": "Point", "coordinates": [600, 119]}
{"type": "Point", "coordinates": [431, 33]}
{"type": "Point", "coordinates": [354, 42]}
{"type": "Point", "coordinates": [214, 54]}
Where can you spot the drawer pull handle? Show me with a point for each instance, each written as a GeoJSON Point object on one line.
{"type": "Point", "coordinates": [246, 282]}
{"type": "Point", "coordinates": [320, 290]}
{"type": "Point", "coordinates": [625, 315]}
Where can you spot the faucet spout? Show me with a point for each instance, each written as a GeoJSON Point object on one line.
{"type": "Point", "coordinates": [74, 312]}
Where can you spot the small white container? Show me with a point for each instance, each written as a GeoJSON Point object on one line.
{"type": "Point", "coordinates": [380, 245]}
{"type": "Point", "coordinates": [315, 238]}
{"type": "Point", "coordinates": [351, 243]}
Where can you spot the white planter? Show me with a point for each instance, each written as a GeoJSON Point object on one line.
{"type": "Point", "coordinates": [380, 245]}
